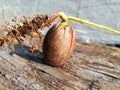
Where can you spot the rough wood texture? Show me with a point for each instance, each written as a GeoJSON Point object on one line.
{"type": "Point", "coordinates": [91, 67]}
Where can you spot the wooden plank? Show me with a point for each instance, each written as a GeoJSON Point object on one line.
{"type": "Point", "coordinates": [90, 67]}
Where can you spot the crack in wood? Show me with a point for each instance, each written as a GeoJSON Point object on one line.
{"type": "Point", "coordinates": [101, 72]}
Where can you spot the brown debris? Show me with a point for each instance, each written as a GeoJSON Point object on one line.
{"type": "Point", "coordinates": [26, 27]}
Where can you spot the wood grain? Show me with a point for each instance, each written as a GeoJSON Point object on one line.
{"type": "Point", "coordinates": [90, 67]}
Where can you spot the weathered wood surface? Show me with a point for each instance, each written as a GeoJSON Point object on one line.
{"type": "Point", "coordinates": [91, 67]}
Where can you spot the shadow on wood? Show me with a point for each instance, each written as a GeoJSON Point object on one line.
{"type": "Point", "coordinates": [23, 52]}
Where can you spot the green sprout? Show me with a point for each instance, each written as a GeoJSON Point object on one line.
{"type": "Point", "coordinates": [65, 19]}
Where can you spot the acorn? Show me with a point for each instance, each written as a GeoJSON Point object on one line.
{"type": "Point", "coordinates": [58, 44]}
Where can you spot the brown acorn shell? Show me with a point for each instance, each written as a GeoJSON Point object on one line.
{"type": "Point", "coordinates": [58, 44]}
